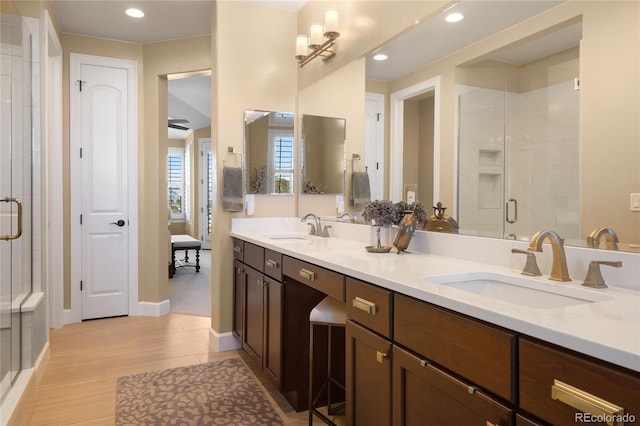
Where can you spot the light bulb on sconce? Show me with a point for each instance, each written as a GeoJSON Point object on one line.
{"type": "Point", "coordinates": [320, 41]}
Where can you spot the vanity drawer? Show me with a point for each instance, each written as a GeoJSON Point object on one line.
{"type": "Point", "coordinates": [329, 282]}
{"type": "Point", "coordinates": [238, 249]}
{"type": "Point", "coordinates": [273, 264]}
{"type": "Point", "coordinates": [370, 306]}
{"type": "Point", "coordinates": [483, 354]}
{"type": "Point", "coordinates": [254, 256]}
{"type": "Point", "coordinates": [547, 372]}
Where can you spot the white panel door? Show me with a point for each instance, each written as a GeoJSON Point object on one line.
{"type": "Point", "coordinates": [374, 143]}
{"type": "Point", "coordinates": [104, 219]}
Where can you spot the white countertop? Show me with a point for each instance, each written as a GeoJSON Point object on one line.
{"type": "Point", "coordinates": [607, 329]}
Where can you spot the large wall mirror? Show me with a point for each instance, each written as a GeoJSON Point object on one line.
{"type": "Point", "coordinates": [519, 139]}
{"type": "Point", "coordinates": [323, 154]}
{"type": "Point", "coordinates": [268, 138]}
{"type": "Point", "coordinates": [536, 123]}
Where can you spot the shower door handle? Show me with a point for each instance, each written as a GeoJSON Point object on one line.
{"type": "Point", "coordinates": [515, 210]}
{"type": "Point", "coordinates": [19, 232]}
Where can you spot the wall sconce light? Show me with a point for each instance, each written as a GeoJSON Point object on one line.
{"type": "Point", "coordinates": [320, 41]}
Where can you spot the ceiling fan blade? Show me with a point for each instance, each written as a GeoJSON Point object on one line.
{"type": "Point", "coordinates": [177, 126]}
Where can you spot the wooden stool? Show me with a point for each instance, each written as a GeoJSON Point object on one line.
{"type": "Point", "coordinates": [329, 312]}
{"type": "Point", "coordinates": [186, 243]}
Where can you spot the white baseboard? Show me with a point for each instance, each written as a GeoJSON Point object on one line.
{"type": "Point", "coordinates": [68, 316]}
{"type": "Point", "coordinates": [154, 309]}
{"type": "Point", "coordinates": [223, 342]}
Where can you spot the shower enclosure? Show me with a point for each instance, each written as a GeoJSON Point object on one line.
{"type": "Point", "coordinates": [15, 189]}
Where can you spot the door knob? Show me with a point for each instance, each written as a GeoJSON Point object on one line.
{"type": "Point", "coordinates": [119, 223]}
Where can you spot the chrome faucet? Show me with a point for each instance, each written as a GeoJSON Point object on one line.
{"type": "Point", "coordinates": [559, 271]}
{"type": "Point", "coordinates": [315, 230]}
{"type": "Point", "coordinates": [593, 240]}
{"type": "Point", "coordinates": [348, 215]}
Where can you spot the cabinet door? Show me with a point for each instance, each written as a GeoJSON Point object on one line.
{"type": "Point", "coordinates": [272, 357]}
{"type": "Point", "coordinates": [564, 388]}
{"type": "Point", "coordinates": [239, 283]}
{"type": "Point", "coordinates": [368, 377]}
{"type": "Point", "coordinates": [254, 314]}
{"type": "Point", "coordinates": [424, 394]}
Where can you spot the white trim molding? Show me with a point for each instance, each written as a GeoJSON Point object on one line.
{"type": "Point", "coordinates": [223, 342]}
{"type": "Point", "coordinates": [75, 60]}
{"type": "Point", "coordinates": [153, 309]}
{"type": "Point", "coordinates": [397, 136]}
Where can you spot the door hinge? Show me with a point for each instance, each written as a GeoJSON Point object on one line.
{"type": "Point", "coordinates": [80, 152]}
{"type": "Point", "coordinates": [378, 117]}
{"type": "Point", "coordinates": [80, 285]}
{"type": "Point", "coordinates": [80, 219]}
{"type": "Point", "coordinates": [80, 83]}
{"type": "Point", "coordinates": [377, 165]}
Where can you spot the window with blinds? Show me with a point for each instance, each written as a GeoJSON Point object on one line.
{"type": "Point", "coordinates": [281, 162]}
{"type": "Point", "coordinates": [175, 178]}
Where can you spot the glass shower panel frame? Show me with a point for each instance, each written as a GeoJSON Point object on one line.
{"type": "Point", "coordinates": [15, 190]}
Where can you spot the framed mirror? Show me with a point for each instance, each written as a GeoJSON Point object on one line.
{"type": "Point", "coordinates": [268, 139]}
{"type": "Point", "coordinates": [565, 181]}
{"type": "Point", "coordinates": [323, 151]}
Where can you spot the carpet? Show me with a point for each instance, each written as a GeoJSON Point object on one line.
{"type": "Point", "coordinates": [216, 393]}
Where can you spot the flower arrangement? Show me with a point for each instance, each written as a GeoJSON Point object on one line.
{"type": "Point", "coordinates": [386, 213]}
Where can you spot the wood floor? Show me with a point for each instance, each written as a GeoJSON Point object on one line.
{"type": "Point", "coordinates": [78, 386]}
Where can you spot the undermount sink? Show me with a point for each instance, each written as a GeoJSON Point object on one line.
{"type": "Point", "coordinates": [286, 237]}
{"type": "Point", "coordinates": [520, 290]}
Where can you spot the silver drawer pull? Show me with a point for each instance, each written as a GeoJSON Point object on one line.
{"type": "Point", "coordinates": [271, 264]}
{"type": "Point", "coordinates": [306, 274]}
{"type": "Point", "coordinates": [586, 402]}
{"type": "Point", "coordinates": [364, 305]}
{"type": "Point", "coordinates": [237, 249]}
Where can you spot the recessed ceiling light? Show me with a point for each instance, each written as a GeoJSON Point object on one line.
{"type": "Point", "coordinates": [134, 13]}
{"type": "Point", "coordinates": [454, 17]}
{"type": "Point", "coordinates": [380, 57]}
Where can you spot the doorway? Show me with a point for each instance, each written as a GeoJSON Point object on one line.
{"type": "Point", "coordinates": [104, 243]}
{"type": "Point", "coordinates": [425, 89]}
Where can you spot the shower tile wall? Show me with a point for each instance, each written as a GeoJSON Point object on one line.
{"type": "Point", "coordinates": [523, 146]}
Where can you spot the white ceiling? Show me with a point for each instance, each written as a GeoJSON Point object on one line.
{"type": "Point", "coordinates": [435, 38]}
{"type": "Point", "coordinates": [176, 19]}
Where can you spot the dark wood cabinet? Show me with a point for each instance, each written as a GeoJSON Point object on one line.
{"type": "Point", "coordinates": [258, 309]}
{"type": "Point", "coordinates": [483, 354]}
{"type": "Point", "coordinates": [409, 362]}
{"type": "Point", "coordinates": [562, 387]}
{"type": "Point", "coordinates": [424, 394]}
{"type": "Point", "coordinates": [239, 285]}
{"type": "Point", "coordinates": [254, 314]}
{"type": "Point", "coordinates": [368, 377]}
{"type": "Point", "coordinates": [272, 351]}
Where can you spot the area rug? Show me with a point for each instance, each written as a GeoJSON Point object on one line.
{"type": "Point", "coordinates": [216, 393]}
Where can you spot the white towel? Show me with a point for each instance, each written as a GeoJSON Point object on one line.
{"type": "Point", "coordinates": [360, 190]}
{"type": "Point", "coordinates": [232, 195]}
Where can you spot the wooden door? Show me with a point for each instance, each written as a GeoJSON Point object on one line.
{"type": "Point", "coordinates": [272, 357]}
{"type": "Point", "coordinates": [424, 394]}
{"type": "Point", "coordinates": [253, 339]}
{"type": "Point", "coordinates": [239, 283]}
{"type": "Point", "coordinates": [368, 377]}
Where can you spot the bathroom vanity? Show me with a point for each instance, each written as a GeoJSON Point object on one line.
{"type": "Point", "coordinates": [420, 350]}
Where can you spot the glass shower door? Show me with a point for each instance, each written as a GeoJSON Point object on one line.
{"type": "Point", "coordinates": [15, 189]}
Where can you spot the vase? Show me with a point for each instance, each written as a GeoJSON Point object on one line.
{"type": "Point", "coordinates": [387, 235]}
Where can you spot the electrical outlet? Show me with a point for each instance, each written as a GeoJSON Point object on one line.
{"type": "Point", "coordinates": [635, 202]}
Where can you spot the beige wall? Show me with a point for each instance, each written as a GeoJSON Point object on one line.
{"type": "Point", "coordinates": [340, 95]}
{"type": "Point", "coordinates": [364, 26]}
{"type": "Point", "coordinates": [610, 66]}
{"type": "Point", "coordinates": [253, 53]}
